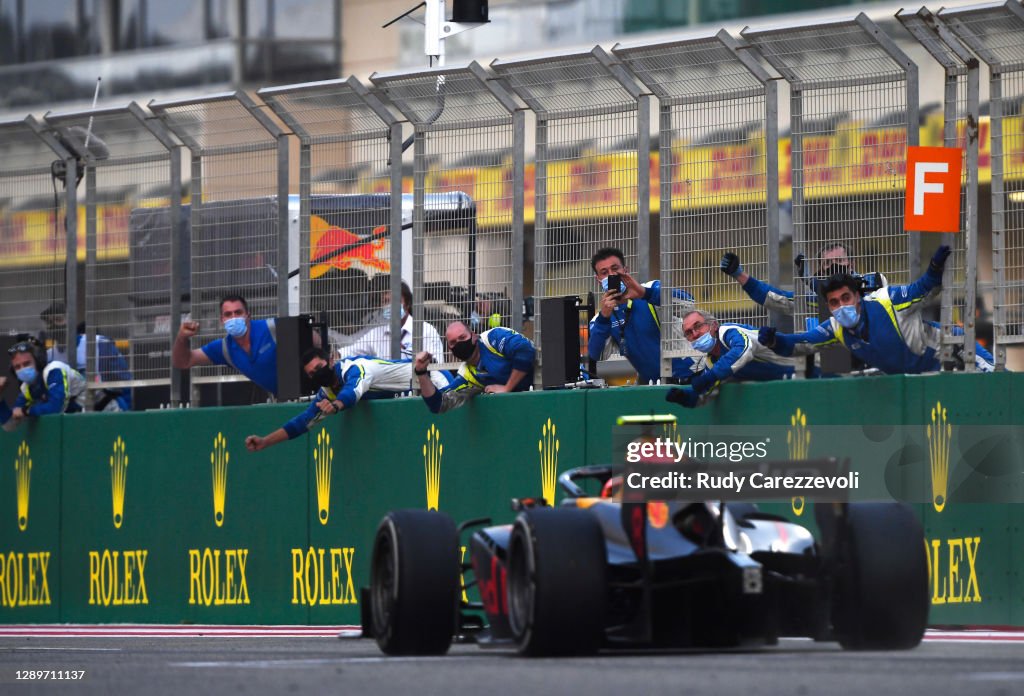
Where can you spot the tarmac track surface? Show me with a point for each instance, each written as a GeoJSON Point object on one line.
{"type": "Point", "coordinates": [183, 666]}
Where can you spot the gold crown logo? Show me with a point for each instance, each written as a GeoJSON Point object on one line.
{"type": "Point", "coordinates": [219, 458]}
{"type": "Point", "coordinates": [323, 457]}
{"type": "Point", "coordinates": [432, 452]}
{"type": "Point", "coordinates": [547, 447]}
{"type": "Point", "coordinates": [23, 472]}
{"type": "Point", "coordinates": [670, 431]}
{"type": "Point", "coordinates": [939, 432]}
{"type": "Point", "coordinates": [798, 441]}
{"type": "Point", "coordinates": [118, 478]}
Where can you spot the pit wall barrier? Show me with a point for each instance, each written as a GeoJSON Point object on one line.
{"type": "Point", "coordinates": [165, 517]}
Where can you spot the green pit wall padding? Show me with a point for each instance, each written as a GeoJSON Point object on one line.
{"type": "Point", "coordinates": [165, 517]}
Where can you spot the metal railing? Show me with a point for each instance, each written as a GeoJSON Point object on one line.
{"type": "Point", "coordinates": [441, 177]}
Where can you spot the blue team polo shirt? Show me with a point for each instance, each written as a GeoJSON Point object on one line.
{"type": "Point", "coordinates": [260, 365]}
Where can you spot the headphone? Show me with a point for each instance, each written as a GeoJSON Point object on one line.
{"type": "Point", "coordinates": [30, 345]}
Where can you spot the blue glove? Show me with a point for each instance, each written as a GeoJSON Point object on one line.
{"type": "Point", "coordinates": [939, 259]}
{"type": "Point", "coordinates": [766, 336]}
{"type": "Point", "coordinates": [685, 397]}
{"type": "Point", "coordinates": [730, 265]}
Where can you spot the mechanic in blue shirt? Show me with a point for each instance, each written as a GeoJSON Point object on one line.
{"type": "Point", "coordinates": [731, 353]}
{"type": "Point", "coordinates": [45, 388]}
{"type": "Point", "coordinates": [498, 360]}
{"type": "Point", "coordinates": [883, 328]}
{"type": "Point", "coordinates": [628, 315]}
{"type": "Point", "coordinates": [340, 385]}
{"type": "Point", "coordinates": [250, 346]}
{"type": "Point", "coordinates": [834, 258]}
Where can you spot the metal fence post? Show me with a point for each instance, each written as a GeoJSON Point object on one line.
{"type": "Point", "coordinates": [993, 32]}
{"type": "Point", "coordinates": [960, 113]}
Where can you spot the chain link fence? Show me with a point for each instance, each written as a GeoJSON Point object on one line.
{"type": "Point", "coordinates": [467, 217]}
{"type": "Point", "coordinates": [718, 149]}
{"type": "Point", "coordinates": [591, 167]}
{"type": "Point", "coordinates": [994, 32]}
{"type": "Point", "coordinates": [853, 112]}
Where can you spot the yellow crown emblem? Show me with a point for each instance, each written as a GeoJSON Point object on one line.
{"type": "Point", "coordinates": [432, 452]}
{"type": "Point", "coordinates": [23, 472]}
{"type": "Point", "coordinates": [798, 441]}
{"type": "Point", "coordinates": [323, 457]}
{"type": "Point", "coordinates": [547, 447]}
{"type": "Point", "coordinates": [118, 478]}
{"type": "Point", "coordinates": [219, 458]}
{"type": "Point", "coordinates": [939, 432]}
{"type": "Point", "coordinates": [670, 431]}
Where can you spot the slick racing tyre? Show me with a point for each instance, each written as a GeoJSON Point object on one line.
{"type": "Point", "coordinates": [881, 599]}
{"type": "Point", "coordinates": [414, 583]}
{"type": "Point", "coordinates": [557, 584]}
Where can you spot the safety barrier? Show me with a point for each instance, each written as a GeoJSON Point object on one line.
{"type": "Point", "coordinates": [165, 517]}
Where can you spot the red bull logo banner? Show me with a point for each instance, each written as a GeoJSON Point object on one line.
{"type": "Point", "coordinates": [333, 248]}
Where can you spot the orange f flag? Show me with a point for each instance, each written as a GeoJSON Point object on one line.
{"type": "Point", "coordinates": [933, 189]}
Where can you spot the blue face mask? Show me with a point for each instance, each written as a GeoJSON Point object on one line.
{"type": "Point", "coordinates": [236, 326]}
{"type": "Point", "coordinates": [705, 343]}
{"type": "Point", "coordinates": [847, 316]}
{"type": "Point", "coordinates": [386, 312]}
{"type": "Point", "coordinates": [604, 285]}
{"type": "Point", "coordinates": [27, 374]}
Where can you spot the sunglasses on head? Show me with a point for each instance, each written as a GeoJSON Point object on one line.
{"type": "Point", "coordinates": [22, 347]}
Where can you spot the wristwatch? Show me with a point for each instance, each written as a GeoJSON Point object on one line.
{"type": "Point", "coordinates": [420, 372]}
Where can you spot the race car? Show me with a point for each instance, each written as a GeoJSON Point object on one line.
{"type": "Point", "coordinates": [595, 573]}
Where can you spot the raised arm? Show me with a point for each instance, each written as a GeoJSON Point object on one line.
{"type": "Point", "coordinates": [182, 355]}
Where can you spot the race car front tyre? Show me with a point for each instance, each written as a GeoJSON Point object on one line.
{"type": "Point", "coordinates": [557, 584]}
{"type": "Point", "coordinates": [881, 592]}
{"type": "Point", "coordinates": [414, 582]}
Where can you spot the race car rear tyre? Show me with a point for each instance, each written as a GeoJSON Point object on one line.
{"type": "Point", "coordinates": [881, 599]}
{"type": "Point", "coordinates": [414, 582]}
{"type": "Point", "coordinates": [557, 582]}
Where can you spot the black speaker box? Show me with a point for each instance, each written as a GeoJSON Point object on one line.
{"type": "Point", "coordinates": [560, 341]}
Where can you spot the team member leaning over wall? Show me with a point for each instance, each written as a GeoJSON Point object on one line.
{"type": "Point", "coordinates": [496, 361]}
{"type": "Point", "coordinates": [342, 383]}
{"type": "Point", "coordinates": [883, 328]}
{"type": "Point", "coordinates": [835, 258]}
{"type": "Point", "coordinates": [732, 353]}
